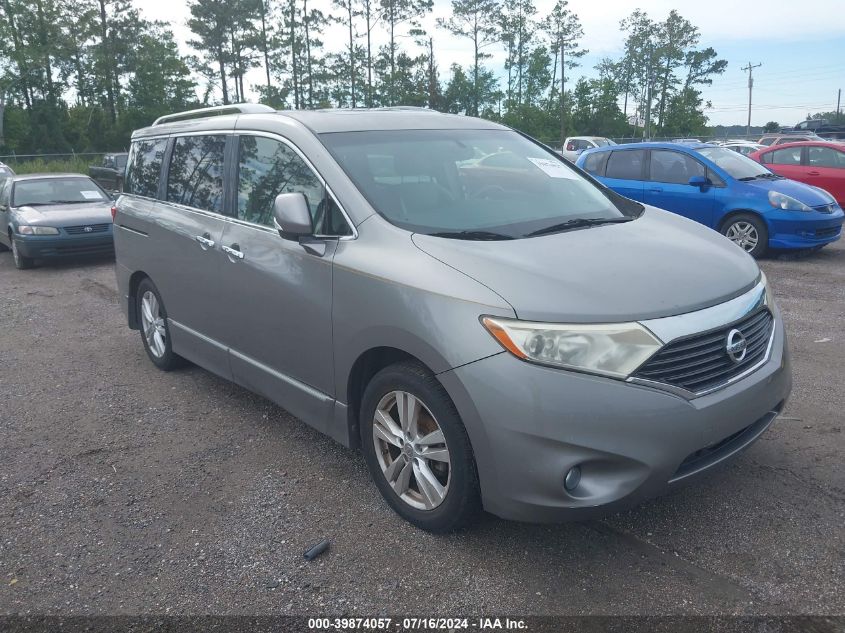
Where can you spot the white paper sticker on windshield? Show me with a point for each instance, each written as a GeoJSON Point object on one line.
{"type": "Point", "coordinates": [91, 195]}
{"type": "Point", "coordinates": [553, 168]}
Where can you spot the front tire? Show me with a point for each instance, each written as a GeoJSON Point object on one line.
{"type": "Point", "coordinates": [417, 449]}
{"type": "Point", "coordinates": [749, 233]}
{"type": "Point", "coordinates": [21, 262]}
{"type": "Point", "coordinates": [155, 330]}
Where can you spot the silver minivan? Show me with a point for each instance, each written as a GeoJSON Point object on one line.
{"type": "Point", "coordinates": [502, 334]}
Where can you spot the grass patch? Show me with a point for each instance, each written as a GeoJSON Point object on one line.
{"type": "Point", "coordinates": [46, 165]}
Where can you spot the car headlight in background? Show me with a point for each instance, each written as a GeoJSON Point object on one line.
{"type": "Point", "coordinates": [37, 230]}
{"type": "Point", "coordinates": [612, 349]}
{"type": "Point", "coordinates": [788, 203]}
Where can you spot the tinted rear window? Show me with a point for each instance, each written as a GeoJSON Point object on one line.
{"type": "Point", "coordinates": [144, 167]}
{"type": "Point", "coordinates": [626, 165]}
{"type": "Point", "coordinates": [195, 177]}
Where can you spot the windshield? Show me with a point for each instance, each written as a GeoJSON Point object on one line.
{"type": "Point", "coordinates": [603, 142]}
{"type": "Point", "coordinates": [473, 184]}
{"type": "Point", "coordinates": [738, 166]}
{"type": "Point", "coordinates": [56, 191]}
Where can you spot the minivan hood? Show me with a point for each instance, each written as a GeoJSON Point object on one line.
{"type": "Point", "coordinates": [66, 214]}
{"type": "Point", "coordinates": [658, 265]}
{"type": "Point", "coordinates": [810, 196]}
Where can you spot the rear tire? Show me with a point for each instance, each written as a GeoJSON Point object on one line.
{"type": "Point", "coordinates": [418, 452]}
{"type": "Point", "coordinates": [21, 262]}
{"type": "Point", "coordinates": [155, 330]}
{"type": "Point", "coordinates": [748, 232]}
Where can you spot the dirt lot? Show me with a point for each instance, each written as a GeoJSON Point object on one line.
{"type": "Point", "coordinates": [127, 490]}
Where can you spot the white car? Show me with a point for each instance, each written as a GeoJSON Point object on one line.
{"type": "Point", "coordinates": [743, 147]}
{"type": "Point", "coordinates": [574, 145]}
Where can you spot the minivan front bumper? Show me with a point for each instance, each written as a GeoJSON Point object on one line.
{"type": "Point", "coordinates": [529, 425]}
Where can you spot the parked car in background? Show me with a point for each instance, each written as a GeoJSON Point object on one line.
{"type": "Point", "coordinates": [742, 147]}
{"type": "Point", "coordinates": [538, 345]}
{"type": "Point", "coordinates": [721, 189]}
{"type": "Point", "coordinates": [109, 174]}
{"type": "Point", "coordinates": [822, 128]}
{"type": "Point", "coordinates": [821, 164]}
{"type": "Point", "coordinates": [574, 145]}
{"type": "Point", "coordinates": [45, 216]}
{"type": "Point", "coordinates": [780, 139]}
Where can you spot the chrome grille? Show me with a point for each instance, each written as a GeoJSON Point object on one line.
{"type": "Point", "coordinates": [81, 229]}
{"type": "Point", "coordinates": [700, 362]}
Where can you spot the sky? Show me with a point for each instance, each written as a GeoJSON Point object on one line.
{"type": "Point", "coordinates": [801, 47]}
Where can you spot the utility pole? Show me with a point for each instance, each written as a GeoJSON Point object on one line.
{"type": "Point", "coordinates": [562, 95]}
{"type": "Point", "coordinates": [838, 99]}
{"type": "Point", "coordinates": [749, 68]}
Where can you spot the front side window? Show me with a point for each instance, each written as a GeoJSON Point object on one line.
{"type": "Point", "coordinates": [5, 187]}
{"type": "Point", "coordinates": [826, 157]}
{"type": "Point", "coordinates": [626, 164]}
{"type": "Point", "coordinates": [469, 184]}
{"type": "Point", "coordinates": [266, 168]}
{"type": "Point", "coordinates": [195, 177]}
{"type": "Point", "coordinates": [144, 167]}
{"type": "Point", "coordinates": [56, 191]}
{"type": "Point", "coordinates": [786, 156]}
{"type": "Point", "coordinates": [673, 167]}
{"type": "Point", "coordinates": [735, 164]}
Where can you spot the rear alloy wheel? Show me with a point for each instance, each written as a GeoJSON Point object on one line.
{"type": "Point", "coordinates": [155, 331]}
{"type": "Point", "coordinates": [417, 449]}
{"type": "Point", "coordinates": [747, 232]}
{"type": "Point", "coordinates": [21, 262]}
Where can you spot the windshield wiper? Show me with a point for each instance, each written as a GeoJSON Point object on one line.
{"type": "Point", "coordinates": [72, 201]}
{"type": "Point", "coordinates": [473, 235]}
{"type": "Point", "coordinates": [756, 176]}
{"type": "Point", "coordinates": [577, 223]}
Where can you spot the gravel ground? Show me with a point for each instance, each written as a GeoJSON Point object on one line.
{"type": "Point", "coordinates": [127, 490]}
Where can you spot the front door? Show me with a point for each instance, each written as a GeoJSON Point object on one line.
{"type": "Point", "coordinates": [277, 293]}
{"type": "Point", "coordinates": [668, 186]}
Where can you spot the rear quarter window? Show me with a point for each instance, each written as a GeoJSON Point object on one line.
{"type": "Point", "coordinates": [143, 168]}
{"type": "Point", "coordinates": [595, 163]}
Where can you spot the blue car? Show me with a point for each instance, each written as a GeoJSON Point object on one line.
{"type": "Point", "coordinates": [740, 198]}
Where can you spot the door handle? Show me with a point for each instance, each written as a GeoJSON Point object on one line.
{"type": "Point", "coordinates": [812, 173]}
{"type": "Point", "coordinates": [233, 252]}
{"type": "Point", "coordinates": [204, 241]}
{"type": "Point", "coordinates": [656, 189]}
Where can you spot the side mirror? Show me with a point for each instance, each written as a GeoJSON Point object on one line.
{"type": "Point", "coordinates": [291, 215]}
{"type": "Point", "coordinates": [699, 181]}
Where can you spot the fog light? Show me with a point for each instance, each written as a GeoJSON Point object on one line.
{"type": "Point", "coordinates": [572, 479]}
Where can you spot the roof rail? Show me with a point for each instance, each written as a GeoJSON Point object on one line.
{"type": "Point", "coordinates": [234, 108]}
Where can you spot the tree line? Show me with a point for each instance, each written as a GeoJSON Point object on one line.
{"type": "Point", "coordinates": [82, 74]}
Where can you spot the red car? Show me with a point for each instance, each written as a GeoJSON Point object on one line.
{"type": "Point", "coordinates": [817, 163]}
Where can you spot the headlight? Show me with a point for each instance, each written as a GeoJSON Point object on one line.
{"type": "Point", "coordinates": [769, 298]}
{"type": "Point", "coordinates": [612, 349]}
{"type": "Point", "coordinates": [782, 201]}
{"type": "Point", "coordinates": [37, 230]}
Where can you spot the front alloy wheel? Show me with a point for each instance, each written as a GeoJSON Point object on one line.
{"type": "Point", "coordinates": [411, 450]}
{"type": "Point", "coordinates": [21, 262]}
{"type": "Point", "coordinates": [417, 449]}
{"type": "Point", "coordinates": [748, 232]}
